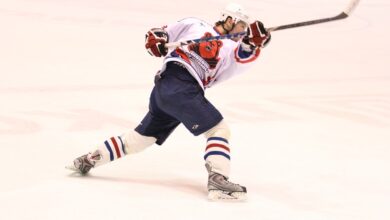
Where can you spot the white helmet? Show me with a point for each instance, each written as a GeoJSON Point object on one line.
{"type": "Point", "coordinates": [236, 12]}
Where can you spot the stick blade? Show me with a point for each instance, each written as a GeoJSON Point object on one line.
{"type": "Point", "coordinates": [352, 5]}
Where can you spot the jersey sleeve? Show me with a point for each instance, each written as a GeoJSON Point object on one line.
{"type": "Point", "coordinates": [177, 30]}
{"type": "Point", "coordinates": [244, 54]}
{"type": "Point", "coordinates": [243, 58]}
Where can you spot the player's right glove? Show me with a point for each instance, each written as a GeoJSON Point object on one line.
{"type": "Point", "coordinates": [257, 35]}
{"type": "Point", "coordinates": [155, 41]}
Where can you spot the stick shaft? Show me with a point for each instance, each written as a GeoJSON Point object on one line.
{"type": "Point", "coordinates": [200, 40]}
{"type": "Point", "coordinates": [344, 14]}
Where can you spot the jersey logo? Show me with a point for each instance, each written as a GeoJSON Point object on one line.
{"type": "Point", "coordinates": [209, 51]}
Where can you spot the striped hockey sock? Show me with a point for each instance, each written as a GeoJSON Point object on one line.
{"type": "Point", "coordinates": [115, 147]}
{"type": "Point", "coordinates": [218, 155]}
{"type": "Point", "coordinates": [112, 149]}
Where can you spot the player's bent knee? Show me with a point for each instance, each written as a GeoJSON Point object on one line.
{"type": "Point", "coordinates": [219, 130]}
{"type": "Point", "coordinates": [135, 142]}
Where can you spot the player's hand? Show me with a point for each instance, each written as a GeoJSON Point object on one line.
{"type": "Point", "coordinates": [257, 35]}
{"type": "Point", "coordinates": [155, 41]}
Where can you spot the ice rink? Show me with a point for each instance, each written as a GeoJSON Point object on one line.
{"type": "Point", "coordinates": [310, 122]}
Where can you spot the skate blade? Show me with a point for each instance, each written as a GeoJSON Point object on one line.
{"type": "Point", "coordinates": [219, 195]}
{"type": "Point", "coordinates": [75, 171]}
{"type": "Point", "coordinates": [72, 168]}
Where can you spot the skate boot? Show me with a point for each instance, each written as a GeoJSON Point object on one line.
{"type": "Point", "coordinates": [220, 188]}
{"type": "Point", "coordinates": [85, 163]}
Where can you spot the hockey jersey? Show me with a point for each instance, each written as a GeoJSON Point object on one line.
{"type": "Point", "coordinates": [208, 62]}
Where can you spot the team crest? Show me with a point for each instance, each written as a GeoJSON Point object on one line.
{"type": "Point", "coordinates": [209, 51]}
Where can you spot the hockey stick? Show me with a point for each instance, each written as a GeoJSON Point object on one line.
{"type": "Point", "coordinates": [344, 14]}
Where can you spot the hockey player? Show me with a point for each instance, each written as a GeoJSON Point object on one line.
{"type": "Point", "coordinates": [178, 94]}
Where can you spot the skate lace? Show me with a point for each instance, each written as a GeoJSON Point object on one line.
{"type": "Point", "coordinates": [223, 180]}
{"type": "Point", "coordinates": [230, 183]}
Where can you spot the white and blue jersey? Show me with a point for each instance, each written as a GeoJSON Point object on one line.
{"type": "Point", "coordinates": [209, 62]}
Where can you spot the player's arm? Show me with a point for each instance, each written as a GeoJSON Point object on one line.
{"type": "Point", "coordinates": [248, 50]}
{"type": "Point", "coordinates": [156, 38]}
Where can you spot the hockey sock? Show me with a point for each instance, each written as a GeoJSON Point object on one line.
{"type": "Point", "coordinates": [115, 147]}
{"type": "Point", "coordinates": [119, 146]}
{"type": "Point", "coordinates": [217, 155]}
{"type": "Point", "coordinates": [112, 149]}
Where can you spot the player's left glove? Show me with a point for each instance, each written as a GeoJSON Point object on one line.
{"type": "Point", "coordinates": [257, 35]}
{"type": "Point", "coordinates": [155, 41]}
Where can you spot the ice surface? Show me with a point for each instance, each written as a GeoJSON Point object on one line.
{"type": "Point", "coordinates": [310, 122]}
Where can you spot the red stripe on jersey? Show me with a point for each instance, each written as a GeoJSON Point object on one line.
{"type": "Point", "coordinates": [118, 153]}
{"type": "Point", "coordinates": [218, 145]}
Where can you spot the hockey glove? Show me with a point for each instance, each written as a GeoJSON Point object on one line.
{"type": "Point", "coordinates": [155, 41]}
{"type": "Point", "coordinates": [257, 35]}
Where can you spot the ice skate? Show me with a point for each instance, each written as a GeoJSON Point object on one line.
{"type": "Point", "coordinates": [85, 163]}
{"type": "Point", "coordinates": [220, 188]}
